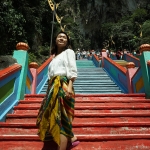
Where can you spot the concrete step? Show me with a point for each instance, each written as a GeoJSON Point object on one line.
{"type": "Point", "coordinates": [91, 73]}
{"type": "Point", "coordinates": [97, 96]}
{"type": "Point", "coordinates": [93, 100]}
{"type": "Point", "coordinates": [97, 84]}
{"type": "Point", "coordinates": [84, 137]}
{"type": "Point", "coordinates": [76, 83]}
{"type": "Point", "coordinates": [114, 122]}
{"type": "Point", "coordinates": [94, 81]}
{"type": "Point", "coordinates": [84, 64]}
{"type": "Point", "coordinates": [88, 122]}
{"type": "Point", "coordinates": [93, 78]}
{"type": "Point", "coordinates": [90, 69]}
{"type": "Point", "coordinates": [79, 86]}
{"type": "Point", "coordinates": [135, 144]}
{"type": "Point", "coordinates": [102, 91]}
{"type": "Point", "coordinates": [88, 113]}
{"type": "Point", "coordinates": [95, 92]}
{"type": "Point", "coordinates": [99, 88]}
{"type": "Point", "coordinates": [25, 130]}
{"type": "Point", "coordinates": [93, 106]}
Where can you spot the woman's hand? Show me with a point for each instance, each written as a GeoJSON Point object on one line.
{"type": "Point", "coordinates": [69, 91]}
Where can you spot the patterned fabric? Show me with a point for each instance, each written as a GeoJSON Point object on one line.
{"type": "Point", "coordinates": [56, 112]}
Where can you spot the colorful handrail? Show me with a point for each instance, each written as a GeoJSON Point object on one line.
{"type": "Point", "coordinates": [20, 79]}
{"type": "Point", "coordinates": [9, 81]}
{"type": "Point", "coordinates": [42, 75]}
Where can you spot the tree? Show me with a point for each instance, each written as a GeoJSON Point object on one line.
{"type": "Point", "coordinates": [11, 29]}
{"type": "Point", "coordinates": [139, 15]}
{"type": "Point", "coordinates": [145, 32]}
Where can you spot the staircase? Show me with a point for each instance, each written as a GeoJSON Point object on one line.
{"type": "Point", "coordinates": [102, 122]}
{"type": "Point", "coordinates": [104, 119]}
{"type": "Point", "coordinates": [91, 80]}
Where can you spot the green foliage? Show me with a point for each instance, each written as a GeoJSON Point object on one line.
{"type": "Point", "coordinates": [41, 55]}
{"type": "Point", "coordinates": [91, 24]}
{"type": "Point", "coordinates": [32, 57]}
{"type": "Point", "coordinates": [44, 50]}
{"type": "Point", "coordinates": [11, 29]}
{"type": "Point", "coordinates": [146, 28]}
{"type": "Point", "coordinates": [145, 32]}
{"type": "Point", "coordinates": [139, 15]}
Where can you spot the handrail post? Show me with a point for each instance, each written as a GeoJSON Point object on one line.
{"type": "Point", "coordinates": [33, 68]}
{"type": "Point", "coordinates": [104, 54]}
{"type": "Point", "coordinates": [21, 56]}
{"type": "Point", "coordinates": [130, 72]}
{"type": "Point", "coordinates": [144, 58]}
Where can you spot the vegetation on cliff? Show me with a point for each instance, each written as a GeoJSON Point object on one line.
{"type": "Point", "coordinates": [91, 24]}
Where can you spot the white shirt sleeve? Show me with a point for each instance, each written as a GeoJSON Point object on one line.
{"type": "Point", "coordinates": [71, 64]}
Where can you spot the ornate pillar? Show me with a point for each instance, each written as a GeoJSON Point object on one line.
{"type": "Point", "coordinates": [130, 72]}
{"type": "Point", "coordinates": [104, 54]}
{"type": "Point", "coordinates": [33, 68]}
{"type": "Point", "coordinates": [144, 59]}
{"type": "Point", "coordinates": [21, 56]}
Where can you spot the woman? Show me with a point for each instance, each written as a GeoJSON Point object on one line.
{"type": "Point", "coordinates": [57, 110]}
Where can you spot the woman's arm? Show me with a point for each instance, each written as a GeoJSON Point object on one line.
{"type": "Point", "coordinates": [70, 64]}
{"type": "Point", "coordinates": [71, 70]}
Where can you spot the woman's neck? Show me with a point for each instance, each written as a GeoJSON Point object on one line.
{"type": "Point", "coordinates": [59, 50]}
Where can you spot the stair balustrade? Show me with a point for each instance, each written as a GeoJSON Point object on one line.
{"type": "Point", "coordinates": [32, 83]}
{"type": "Point", "coordinates": [138, 78]}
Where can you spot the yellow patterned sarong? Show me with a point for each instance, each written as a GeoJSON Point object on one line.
{"type": "Point", "coordinates": [56, 112]}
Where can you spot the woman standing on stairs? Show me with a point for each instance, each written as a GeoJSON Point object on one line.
{"type": "Point", "coordinates": [56, 114]}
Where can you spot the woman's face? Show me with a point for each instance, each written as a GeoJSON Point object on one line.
{"type": "Point", "coordinates": [61, 40]}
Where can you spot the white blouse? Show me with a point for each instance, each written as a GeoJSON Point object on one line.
{"type": "Point", "coordinates": [63, 64]}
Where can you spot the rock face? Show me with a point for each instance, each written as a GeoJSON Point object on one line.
{"type": "Point", "coordinates": [6, 61]}
{"type": "Point", "coordinates": [114, 10]}
{"type": "Point", "coordinates": [101, 11]}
